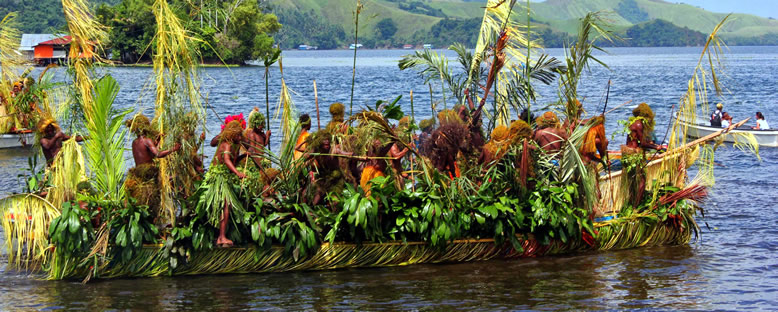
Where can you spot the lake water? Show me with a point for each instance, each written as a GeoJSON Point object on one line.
{"type": "Point", "coordinates": [733, 266]}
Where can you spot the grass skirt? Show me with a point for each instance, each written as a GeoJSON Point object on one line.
{"type": "Point", "coordinates": [142, 185]}
{"type": "Point", "coordinates": [221, 186]}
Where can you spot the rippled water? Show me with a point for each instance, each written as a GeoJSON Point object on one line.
{"type": "Point", "coordinates": [733, 266]}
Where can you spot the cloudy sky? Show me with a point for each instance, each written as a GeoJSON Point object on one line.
{"type": "Point", "coordinates": [764, 8]}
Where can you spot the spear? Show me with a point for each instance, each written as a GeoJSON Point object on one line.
{"type": "Point", "coordinates": [316, 98]}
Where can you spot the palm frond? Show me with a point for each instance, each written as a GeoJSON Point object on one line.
{"type": "Point", "coordinates": [105, 147]}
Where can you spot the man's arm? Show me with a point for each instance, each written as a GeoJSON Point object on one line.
{"type": "Point", "coordinates": [215, 141]}
{"type": "Point", "coordinates": [154, 151]}
{"type": "Point", "coordinates": [395, 153]}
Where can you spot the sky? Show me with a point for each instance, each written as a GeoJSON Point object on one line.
{"type": "Point", "coordinates": [764, 8]}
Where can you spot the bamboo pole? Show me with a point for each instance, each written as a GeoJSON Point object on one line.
{"type": "Point", "coordinates": [316, 99]}
{"type": "Point", "coordinates": [617, 107]}
{"type": "Point", "coordinates": [413, 122]}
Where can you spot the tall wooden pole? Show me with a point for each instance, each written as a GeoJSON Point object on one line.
{"type": "Point", "coordinates": [316, 98]}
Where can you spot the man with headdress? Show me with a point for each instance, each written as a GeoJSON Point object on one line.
{"type": "Point", "coordinates": [326, 174]}
{"type": "Point", "coordinates": [301, 144]}
{"type": "Point", "coordinates": [426, 126]}
{"type": "Point", "coordinates": [641, 128]}
{"type": "Point", "coordinates": [595, 141]}
{"type": "Point", "coordinates": [338, 112]}
{"type": "Point", "coordinates": [375, 166]}
{"type": "Point", "coordinates": [496, 147]}
{"type": "Point", "coordinates": [52, 138]}
{"type": "Point", "coordinates": [142, 181]}
{"type": "Point", "coordinates": [221, 199]}
{"type": "Point", "coordinates": [447, 142]}
{"type": "Point", "coordinates": [549, 134]}
{"type": "Point", "coordinates": [257, 138]}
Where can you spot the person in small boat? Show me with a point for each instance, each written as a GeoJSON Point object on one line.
{"type": "Point", "coordinates": [52, 138]}
{"type": "Point", "coordinates": [761, 123]}
{"type": "Point", "coordinates": [142, 182]}
{"type": "Point", "coordinates": [221, 179]}
{"type": "Point", "coordinates": [717, 116]}
{"type": "Point", "coordinates": [726, 120]}
{"type": "Point", "coordinates": [549, 134]}
{"type": "Point", "coordinates": [302, 140]}
{"type": "Point", "coordinates": [641, 128]}
{"type": "Point", "coordinates": [257, 139]}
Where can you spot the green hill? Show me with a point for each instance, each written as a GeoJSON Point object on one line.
{"type": "Point", "coordinates": [329, 24]}
{"type": "Point", "coordinates": [426, 21]}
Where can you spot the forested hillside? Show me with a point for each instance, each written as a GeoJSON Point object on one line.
{"type": "Point", "coordinates": [329, 24]}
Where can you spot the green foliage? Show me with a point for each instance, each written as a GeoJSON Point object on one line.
{"type": "Point", "coordinates": [105, 147]}
{"type": "Point", "coordinates": [72, 231]}
{"type": "Point", "coordinates": [306, 27]}
{"type": "Point", "coordinates": [661, 33]}
{"type": "Point", "coordinates": [245, 35]}
{"type": "Point", "coordinates": [35, 176]}
{"type": "Point", "coordinates": [629, 10]}
{"type": "Point", "coordinates": [385, 29]}
{"type": "Point", "coordinates": [131, 226]}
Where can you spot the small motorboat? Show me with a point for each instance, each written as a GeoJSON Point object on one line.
{"type": "Point", "coordinates": [701, 127]}
{"type": "Point", "coordinates": [17, 140]}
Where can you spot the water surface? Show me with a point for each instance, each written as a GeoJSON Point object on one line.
{"type": "Point", "coordinates": [733, 266]}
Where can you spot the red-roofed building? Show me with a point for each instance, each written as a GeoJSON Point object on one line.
{"type": "Point", "coordinates": [52, 51]}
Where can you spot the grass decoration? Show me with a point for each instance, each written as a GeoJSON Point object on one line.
{"type": "Point", "coordinates": [87, 36]}
{"type": "Point", "coordinates": [66, 172]}
{"type": "Point", "coordinates": [10, 57]}
{"type": "Point", "coordinates": [178, 108]}
{"type": "Point", "coordinates": [287, 113]}
{"type": "Point", "coordinates": [639, 230]}
{"type": "Point", "coordinates": [10, 62]}
{"type": "Point", "coordinates": [25, 221]}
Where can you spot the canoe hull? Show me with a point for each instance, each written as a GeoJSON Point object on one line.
{"type": "Point", "coordinates": [617, 234]}
{"type": "Point", "coordinates": [766, 138]}
{"type": "Point", "coordinates": [21, 140]}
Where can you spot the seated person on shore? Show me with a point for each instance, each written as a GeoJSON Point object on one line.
{"type": "Point", "coordinates": [761, 124]}
{"type": "Point", "coordinates": [717, 116]}
{"type": "Point", "coordinates": [142, 180]}
{"type": "Point", "coordinates": [220, 182]}
{"type": "Point", "coordinates": [641, 128]}
{"type": "Point", "coordinates": [256, 137]}
{"type": "Point", "coordinates": [549, 134]}
{"type": "Point", "coordinates": [52, 138]}
{"type": "Point", "coordinates": [301, 145]}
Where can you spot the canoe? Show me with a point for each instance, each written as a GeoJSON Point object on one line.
{"type": "Point", "coordinates": [16, 140]}
{"type": "Point", "coordinates": [702, 128]}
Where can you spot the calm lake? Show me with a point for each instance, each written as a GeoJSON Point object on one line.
{"type": "Point", "coordinates": [733, 266]}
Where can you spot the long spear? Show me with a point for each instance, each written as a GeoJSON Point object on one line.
{"type": "Point", "coordinates": [316, 98]}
